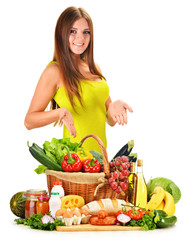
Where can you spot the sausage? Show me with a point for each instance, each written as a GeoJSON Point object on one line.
{"type": "Point", "coordinates": [109, 220]}
{"type": "Point", "coordinates": [102, 214]}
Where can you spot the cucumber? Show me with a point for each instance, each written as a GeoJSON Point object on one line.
{"type": "Point", "coordinates": [39, 154]}
{"type": "Point", "coordinates": [166, 222]}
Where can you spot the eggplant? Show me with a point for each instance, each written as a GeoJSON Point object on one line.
{"type": "Point", "coordinates": [126, 149]}
{"type": "Point", "coordinates": [133, 157]}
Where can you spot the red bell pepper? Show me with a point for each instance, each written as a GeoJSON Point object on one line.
{"type": "Point", "coordinates": [71, 162]}
{"type": "Point", "coordinates": [91, 165]}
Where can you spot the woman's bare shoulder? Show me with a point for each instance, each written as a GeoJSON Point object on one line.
{"type": "Point", "coordinates": [52, 75]}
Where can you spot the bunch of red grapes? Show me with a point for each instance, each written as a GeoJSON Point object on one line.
{"type": "Point", "coordinates": [119, 174]}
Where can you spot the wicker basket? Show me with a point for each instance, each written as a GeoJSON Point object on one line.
{"type": "Point", "coordinates": [89, 191]}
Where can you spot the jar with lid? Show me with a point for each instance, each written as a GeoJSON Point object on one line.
{"type": "Point", "coordinates": [31, 200]}
{"type": "Point", "coordinates": [42, 205]}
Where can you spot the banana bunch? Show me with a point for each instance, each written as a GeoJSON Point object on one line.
{"type": "Point", "coordinates": [162, 200]}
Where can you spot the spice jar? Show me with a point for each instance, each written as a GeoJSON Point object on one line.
{"type": "Point", "coordinates": [31, 200]}
{"type": "Point", "coordinates": [42, 205]}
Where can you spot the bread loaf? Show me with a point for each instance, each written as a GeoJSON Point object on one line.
{"type": "Point", "coordinates": [111, 206]}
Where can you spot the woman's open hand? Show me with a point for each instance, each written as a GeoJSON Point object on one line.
{"type": "Point", "coordinates": [118, 111]}
{"type": "Point", "coordinates": [67, 119]}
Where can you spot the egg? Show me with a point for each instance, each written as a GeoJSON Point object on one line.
{"type": "Point", "coordinates": [59, 212]}
{"type": "Point", "coordinates": [67, 214]}
{"type": "Point", "coordinates": [85, 212]}
{"type": "Point", "coordinates": [76, 212]}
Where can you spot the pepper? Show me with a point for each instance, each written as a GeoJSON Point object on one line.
{"type": "Point", "coordinates": [91, 166]}
{"type": "Point", "coordinates": [84, 155]}
{"type": "Point", "coordinates": [165, 222]}
{"type": "Point", "coordinates": [71, 162]}
{"type": "Point", "coordinates": [162, 220]}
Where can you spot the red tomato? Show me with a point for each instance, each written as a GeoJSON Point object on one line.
{"type": "Point", "coordinates": [133, 214]}
{"type": "Point", "coordinates": [119, 212]}
{"type": "Point", "coordinates": [143, 211]}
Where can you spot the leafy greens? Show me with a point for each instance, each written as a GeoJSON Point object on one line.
{"type": "Point", "coordinates": [56, 150]}
{"type": "Point", "coordinates": [35, 222]}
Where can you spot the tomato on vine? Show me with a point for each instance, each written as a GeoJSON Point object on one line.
{"type": "Point", "coordinates": [133, 214]}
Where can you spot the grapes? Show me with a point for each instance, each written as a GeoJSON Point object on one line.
{"type": "Point", "coordinates": [117, 163]}
{"type": "Point", "coordinates": [111, 179]}
{"type": "Point", "coordinates": [124, 165]}
{"type": "Point", "coordinates": [115, 174]}
{"type": "Point", "coordinates": [123, 185]}
{"type": "Point", "coordinates": [119, 174]}
{"type": "Point", "coordinates": [125, 172]}
{"type": "Point", "coordinates": [118, 190]}
{"type": "Point", "coordinates": [114, 185]}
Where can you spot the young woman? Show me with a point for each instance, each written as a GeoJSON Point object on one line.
{"type": "Point", "coordinates": [74, 84]}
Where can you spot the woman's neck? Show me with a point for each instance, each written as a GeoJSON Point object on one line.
{"type": "Point", "coordinates": [76, 59]}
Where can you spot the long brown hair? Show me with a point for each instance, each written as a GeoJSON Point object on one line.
{"type": "Point", "coordinates": [62, 54]}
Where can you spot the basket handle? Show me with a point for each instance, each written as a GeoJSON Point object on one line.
{"type": "Point", "coordinates": [104, 152]}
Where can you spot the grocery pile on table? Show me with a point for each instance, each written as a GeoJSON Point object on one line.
{"type": "Point", "coordinates": [148, 206]}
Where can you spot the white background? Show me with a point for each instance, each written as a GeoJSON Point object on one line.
{"type": "Point", "coordinates": [143, 50]}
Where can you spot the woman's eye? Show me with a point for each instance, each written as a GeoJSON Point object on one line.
{"type": "Point", "coordinates": [73, 31]}
{"type": "Point", "coordinates": [86, 32]}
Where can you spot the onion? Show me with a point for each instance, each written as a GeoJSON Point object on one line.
{"type": "Point", "coordinates": [46, 218]}
{"type": "Point", "coordinates": [123, 218]}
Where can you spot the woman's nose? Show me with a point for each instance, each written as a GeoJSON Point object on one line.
{"type": "Point", "coordinates": [80, 36]}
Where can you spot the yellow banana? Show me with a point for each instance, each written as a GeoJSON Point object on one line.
{"type": "Point", "coordinates": [156, 199]}
{"type": "Point", "coordinates": [161, 206]}
{"type": "Point", "coordinates": [169, 207]}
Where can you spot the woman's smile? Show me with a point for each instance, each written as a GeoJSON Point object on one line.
{"type": "Point", "coordinates": [79, 38]}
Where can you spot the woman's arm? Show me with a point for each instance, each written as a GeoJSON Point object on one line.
{"type": "Point", "coordinates": [37, 116]}
{"type": "Point", "coordinates": [45, 89]}
{"type": "Point", "coordinates": [109, 119]}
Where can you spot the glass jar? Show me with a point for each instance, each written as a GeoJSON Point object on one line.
{"type": "Point", "coordinates": [31, 200]}
{"type": "Point", "coordinates": [42, 205]}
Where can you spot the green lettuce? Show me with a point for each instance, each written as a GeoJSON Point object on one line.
{"type": "Point", "coordinates": [167, 184]}
{"type": "Point", "coordinates": [56, 148]}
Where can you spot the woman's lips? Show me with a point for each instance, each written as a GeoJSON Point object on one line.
{"type": "Point", "coordinates": [78, 44]}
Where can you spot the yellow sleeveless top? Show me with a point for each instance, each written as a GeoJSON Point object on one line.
{"type": "Point", "coordinates": [90, 119]}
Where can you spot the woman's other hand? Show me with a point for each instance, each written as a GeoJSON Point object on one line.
{"type": "Point", "coordinates": [118, 111]}
{"type": "Point", "coordinates": [67, 119]}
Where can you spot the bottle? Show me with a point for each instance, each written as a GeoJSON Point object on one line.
{"type": "Point", "coordinates": [132, 185]}
{"type": "Point", "coordinates": [54, 203]}
{"type": "Point", "coordinates": [141, 197]}
{"type": "Point", "coordinates": [58, 188]}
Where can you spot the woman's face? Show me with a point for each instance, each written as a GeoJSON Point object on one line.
{"type": "Point", "coordinates": [79, 37]}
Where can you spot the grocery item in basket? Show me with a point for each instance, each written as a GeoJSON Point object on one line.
{"type": "Point", "coordinates": [72, 201]}
{"type": "Point", "coordinates": [111, 206]}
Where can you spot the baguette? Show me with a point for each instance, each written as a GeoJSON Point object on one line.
{"type": "Point", "coordinates": [111, 206]}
